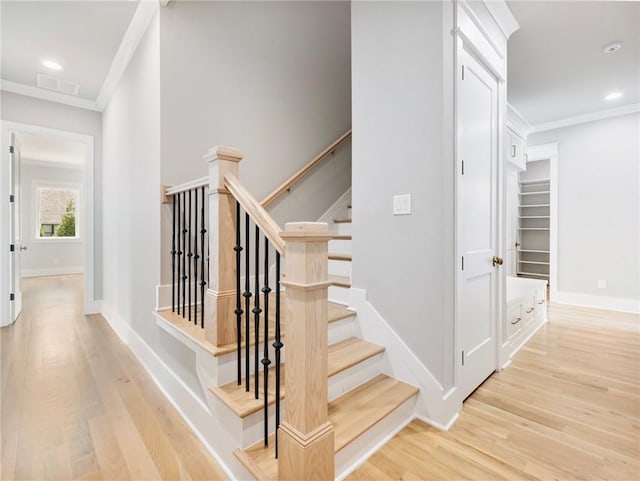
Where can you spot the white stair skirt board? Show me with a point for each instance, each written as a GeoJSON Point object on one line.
{"type": "Point", "coordinates": [435, 406]}
{"type": "Point", "coordinates": [338, 210]}
{"type": "Point", "coordinates": [598, 302]}
{"type": "Point", "coordinates": [209, 429]}
{"type": "Point", "coordinates": [364, 446]}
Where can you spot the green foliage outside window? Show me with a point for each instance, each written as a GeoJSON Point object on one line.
{"type": "Point", "coordinates": [67, 226]}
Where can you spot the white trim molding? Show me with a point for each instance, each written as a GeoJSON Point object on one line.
{"type": "Point", "coordinates": [140, 21]}
{"type": "Point", "coordinates": [53, 271]}
{"type": "Point", "coordinates": [598, 302]}
{"type": "Point", "coordinates": [517, 123]}
{"type": "Point", "coordinates": [50, 95]}
{"type": "Point", "coordinates": [503, 16]}
{"type": "Point", "coordinates": [581, 119]}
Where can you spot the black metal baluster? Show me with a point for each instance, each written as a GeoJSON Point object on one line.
{"type": "Point", "coordinates": [173, 258]}
{"type": "Point", "coordinates": [256, 313]}
{"type": "Point", "coordinates": [195, 260]}
{"type": "Point", "coordinates": [203, 231]}
{"type": "Point", "coordinates": [277, 345]}
{"type": "Point", "coordinates": [265, 360]}
{"type": "Point", "coordinates": [239, 311]}
{"type": "Point", "coordinates": [179, 251]}
{"type": "Point", "coordinates": [190, 257]}
{"type": "Point", "coordinates": [247, 300]}
{"type": "Point", "coordinates": [184, 256]}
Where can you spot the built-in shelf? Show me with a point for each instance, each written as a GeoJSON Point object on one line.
{"type": "Point", "coordinates": [535, 274]}
{"type": "Point", "coordinates": [533, 228]}
{"type": "Point", "coordinates": [540, 192]}
{"type": "Point", "coordinates": [533, 251]}
{"type": "Point", "coordinates": [533, 262]}
{"type": "Point", "coordinates": [535, 205]}
{"type": "Point", "coordinates": [534, 217]}
{"type": "Point", "coordinates": [534, 181]}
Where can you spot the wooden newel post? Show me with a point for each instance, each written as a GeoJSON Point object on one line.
{"type": "Point", "coordinates": [220, 320]}
{"type": "Point", "coordinates": [306, 450]}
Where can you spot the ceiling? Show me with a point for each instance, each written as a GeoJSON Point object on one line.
{"type": "Point", "coordinates": [557, 68]}
{"type": "Point", "coordinates": [83, 37]}
{"type": "Point", "coordinates": [50, 149]}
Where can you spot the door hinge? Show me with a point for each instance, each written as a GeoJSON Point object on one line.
{"type": "Point", "coordinates": [462, 262]}
{"type": "Point", "coordinates": [11, 149]}
{"type": "Point", "coordinates": [463, 167]}
{"type": "Point", "coordinates": [12, 297]}
{"type": "Point", "coordinates": [12, 198]}
{"type": "Point", "coordinates": [463, 72]}
{"type": "Point", "coordinates": [463, 358]}
{"type": "Point", "coordinates": [12, 247]}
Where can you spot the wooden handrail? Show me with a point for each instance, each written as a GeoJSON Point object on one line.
{"type": "Point", "coordinates": [295, 178]}
{"type": "Point", "coordinates": [169, 190]}
{"type": "Point", "coordinates": [261, 217]}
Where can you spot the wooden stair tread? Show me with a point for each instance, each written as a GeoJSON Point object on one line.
{"type": "Point", "coordinates": [340, 257]}
{"type": "Point", "coordinates": [351, 415]}
{"type": "Point", "coordinates": [342, 356]}
{"type": "Point", "coordinates": [342, 221]}
{"type": "Point", "coordinates": [341, 237]}
{"type": "Point", "coordinates": [340, 281]}
{"type": "Point", "coordinates": [336, 312]}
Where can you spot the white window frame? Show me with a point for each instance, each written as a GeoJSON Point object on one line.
{"type": "Point", "coordinates": [39, 185]}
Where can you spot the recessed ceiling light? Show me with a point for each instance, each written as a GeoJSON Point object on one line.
{"type": "Point", "coordinates": [613, 96]}
{"type": "Point", "coordinates": [52, 65]}
{"type": "Point", "coordinates": [612, 47]}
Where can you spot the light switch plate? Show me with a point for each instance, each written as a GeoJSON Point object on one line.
{"type": "Point", "coordinates": [402, 204]}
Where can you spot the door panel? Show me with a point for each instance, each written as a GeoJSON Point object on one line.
{"type": "Point", "coordinates": [477, 228]}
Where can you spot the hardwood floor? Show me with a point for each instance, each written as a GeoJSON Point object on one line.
{"type": "Point", "coordinates": [567, 408]}
{"type": "Point", "coordinates": [76, 404]}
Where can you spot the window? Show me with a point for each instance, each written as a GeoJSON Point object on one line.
{"type": "Point", "coordinates": [57, 212]}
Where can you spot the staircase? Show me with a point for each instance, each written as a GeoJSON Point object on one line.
{"type": "Point", "coordinates": [365, 405]}
{"type": "Point", "coordinates": [248, 386]}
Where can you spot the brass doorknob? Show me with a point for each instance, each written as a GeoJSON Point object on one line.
{"type": "Point", "coordinates": [497, 261]}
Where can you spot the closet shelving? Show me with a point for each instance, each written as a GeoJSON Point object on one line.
{"type": "Point", "coordinates": [533, 228]}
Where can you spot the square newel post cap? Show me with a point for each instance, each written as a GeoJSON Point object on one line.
{"type": "Point", "coordinates": [306, 231]}
{"type": "Point", "coordinates": [220, 152]}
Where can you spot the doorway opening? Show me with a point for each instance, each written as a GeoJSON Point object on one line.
{"type": "Point", "coordinates": [49, 219]}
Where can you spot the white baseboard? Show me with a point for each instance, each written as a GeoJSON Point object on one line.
{"type": "Point", "coordinates": [192, 409]}
{"type": "Point", "coordinates": [598, 302]}
{"type": "Point", "coordinates": [52, 271]}
{"type": "Point", "coordinates": [441, 427]}
{"type": "Point", "coordinates": [400, 362]}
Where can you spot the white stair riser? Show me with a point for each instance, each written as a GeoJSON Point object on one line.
{"type": "Point", "coordinates": [253, 425]}
{"type": "Point", "coordinates": [340, 268]}
{"type": "Point", "coordinates": [361, 448]}
{"type": "Point", "coordinates": [343, 329]}
{"type": "Point", "coordinates": [227, 364]}
{"type": "Point", "coordinates": [342, 228]}
{"type": "Point", "coordinates": [340, 246]}
{"type": "Point", "coordinates": [339, 294]}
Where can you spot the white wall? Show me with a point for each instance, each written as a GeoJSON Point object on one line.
{"type": "Point", "coordinates": [402, 144]}
{"type": "Point", "coordinates": [48, 256]}
{"type": "Point", "coordinates": [131, 191]}
{"type": "Point", "coordinates": [598, 207]}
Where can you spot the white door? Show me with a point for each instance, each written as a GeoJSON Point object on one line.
{"type": "Point", "coordinates": [15, 230]}
{"type": "Point", "coordinates": [477, 223]}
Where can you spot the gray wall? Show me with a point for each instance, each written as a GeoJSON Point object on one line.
{"type": "Point", "coordinates": [131, 190]}
{"type": "Point", "coordinates": [270, 78]}
{"type": "Point", "coordinates": [29, 110]}
{"type": "Point", "coordinates": [402, 131]}
{"type": "Point", "coordinates": [598, 206]}
{"type": "Point", "coordinates": [50, 255]}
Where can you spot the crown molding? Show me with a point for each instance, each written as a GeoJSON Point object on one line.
{"type": "Point", "coordinates": [145, 11]}
{"type": "Point", "coordinates": [503, 16]}
{"type": "Point", "coordinates": [50, 95]}
{"type": "Point", "coordinates": [517, 122]}
{"type": "Point", "coordinates": [581, 119]}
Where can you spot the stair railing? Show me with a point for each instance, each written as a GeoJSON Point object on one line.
{"type": "Point", "coordinates": [189, 248]}
{"type": "Point", "coordinates": [304, 439]}
{"type": "Point", "coordinates": [288, 184]}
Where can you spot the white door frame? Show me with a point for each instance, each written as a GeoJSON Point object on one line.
{"type": "Point", "coordinates": [90, 304]}
{"type": "Point", "coordinates": [550, 152]}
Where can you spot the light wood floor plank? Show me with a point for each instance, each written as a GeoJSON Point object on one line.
{"type": "Point", "coordinates": [76, 404]}
{"type": "Point", "coordinates": [568, 408]}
